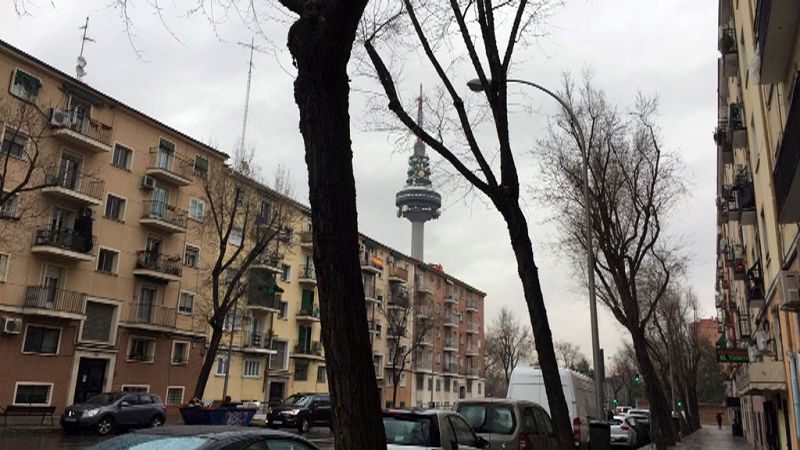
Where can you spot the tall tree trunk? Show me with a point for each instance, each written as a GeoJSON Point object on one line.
{"type": "Point", "coordinates": [660, 417]}
{"type": "Point", "coordinates": [320, 42]}
{"type": "Point", "coordinates": [208, 361]}
{"type": "Point", "coordinates": [693, 404]}
{"type": "Point", "coordinates": [543, 339]}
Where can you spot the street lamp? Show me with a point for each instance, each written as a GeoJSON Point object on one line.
{"type": "Point", "coordinates": [477, 86]}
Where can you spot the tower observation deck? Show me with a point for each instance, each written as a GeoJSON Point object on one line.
{"type": "Point", "coordinates": [418, 201]}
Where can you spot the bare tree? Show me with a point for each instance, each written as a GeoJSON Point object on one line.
{"type": "Point", "coordinates": [633, 185]}
{"type": "Point", "coordinates": [568, 354]}
{"type": "Point", "coordinates": [487, 33]}
{"type": "Point", "coordinates": [400, 314]}
{"type": "Point", "coordinates": [508, 342]}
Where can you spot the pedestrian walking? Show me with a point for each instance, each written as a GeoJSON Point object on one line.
{"type": "Point", "coordinates": [719, 420]}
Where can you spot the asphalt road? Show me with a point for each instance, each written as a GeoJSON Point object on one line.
{"type": "Point", "coordinates": [53, 439]}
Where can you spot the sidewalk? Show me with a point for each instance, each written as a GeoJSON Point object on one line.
{"type": "Point", "coordinates": [709, 437]}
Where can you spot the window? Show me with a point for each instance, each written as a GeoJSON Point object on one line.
{"type": "Point", "coordinates": [122, 158]}
{"type": "Point", "coordinates": [99, 320]}
{"type": "Point", "coordinates": [430, 384]}
{"type": "Point", "coordinates": [479, 389]}
{"type": "Point", "coordinates": [462, 431]}
{"type": "Point", "coordinates": [447, 384]}
{"type": "Point", "coordinates": [180, 352]}
{"type": "Point", "coordinates": [142, 388]}
{"type": "Point", "coordinates": [235, 238]}
{"type": "Point", "coordinates": [197, 211]}
{"type": "Point", "coordinates": [300, 371]}
{"type": "Point", "coordinates": [4, 259]}
{"type": "Point", "coordinates": [280, 360]}
{"type": "Point", "coordinates": [191, 256]}
{"type": "Point", "coordinates": [25, 86]}
{"type": "Point", "coordinates": [321, 375]}
{"type": "Point", "coordinates": [8, 210]}
{"type": "Point", "coordinates": [252, 368]}
{"type": "Point", "coordinates": [42, 340]}
{"type": "Point", "coordinates": [438, 385]}
{"type": "Point", "coordinates": [420, 381]}
{"type": "Point", "coordinates": [222, 365]}
{"type": "Point", "coordinates": [174, 395]}
{"type": "Point", "coordinates": [286, 272]}
{"type": "Point", "coordinates": [200, 166]}
{"type": "Point", "coordinates": [543, 420]}
{"type": "Point", "coordinates": [14, 142]}
{"type": "Point", "coordinates": [115, 207]}
{"type": "Point", "coordinates": [232, 321]}
{"type": "Point", "coordinates": [284, 311]}
{"type": "Point", "coordinates": [32, 394]}
{"type": "Point", "coordinates": [107, 261]}
{"type": "Point", "coordinates": [186, 303]}
{"type": "Point", "coordinates": [141, 349]}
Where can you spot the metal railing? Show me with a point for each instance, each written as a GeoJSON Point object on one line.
{"type": "Point", "coordinates": [450, 343]}
{"type": "Point", "coordinates": [473, 304]}
{"type": "Point", "coordinates": [54, 299]}
{"type": "Point", "coordinates": [421, 364]}
{"type": "Point", "coordinates": [272, 301]}
{"type": "Point", "coordinates": [398, 300]}
{"type": "Point", "coordinates": [368, 261]}
{"type": "Point", "coordinates": [307, 273]}
{"type": "Point", "coordinates": [399, 272]}
{"type": "Point", "coordinates": [148, 260]}
{"type": "Point", "coordinates": [450, 367]}
{"type": "Point", "coordinates": [396, 332]}
{"type": "Point", "coordinates": [171, 162]}
{"type": "Point", "coordinates": [75, 181]}
{"type": "Point", "coordinates": [271, 259]}
{"type": "Point", "coordinates": [450, 319]}
{"type": "Point", "coordinates": [473, 371]}
{"type": "Point", "coordinates": [313, 348]}
{"type": "Point", "coordinates": [256, 340]}
{"type": "Point", "coordinates": [150, 314]}
{"type": "Point", "coordinates": [64, 239]}
{"type": "Point", "coordinates": [309, 311]}
{"type": "Point", "coordinates": [471, 327]}
{"type": "Point", "coordinates": [306, 238]}
{"type": "Point", "coordinates": [156, 209]}
{"type": "Point", "coordinates": [727, 41]}
{"type": "Point", "coordinates": [93, 129]}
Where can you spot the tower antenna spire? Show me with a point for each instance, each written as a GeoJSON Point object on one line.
{"type": "Point", "coordinates": [80, 72]}
{"type": "Point", "coordinates": [253, 48]}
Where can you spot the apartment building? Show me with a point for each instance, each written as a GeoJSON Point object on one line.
{"type": "Point", "coordinates": [758, 200]}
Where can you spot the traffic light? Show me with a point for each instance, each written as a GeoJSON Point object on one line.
{"type": "Point", "coordinates": [680, 404]}
{"type": "Point", "coordinates": [637, 378]}
{"type": "Point", "coordinates": [614, 401]}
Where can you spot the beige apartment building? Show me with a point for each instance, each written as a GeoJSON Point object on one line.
{"type": "Point", "coordinates": [758, 200]}
{"type": "Point", "coordinates": [104, 272]}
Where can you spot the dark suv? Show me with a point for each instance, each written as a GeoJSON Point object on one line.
{"type": "Point", "coordinates": [104, 412]}
{"type": "Point", "coordinates": [301, 411]}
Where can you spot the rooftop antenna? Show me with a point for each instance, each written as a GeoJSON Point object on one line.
{"type": "Point", "coordinates": [79, 68]}
{"type": "Point", "coordinates": [252, 48]}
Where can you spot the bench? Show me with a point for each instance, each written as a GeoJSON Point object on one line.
{"type": "Point", "coordinates": [27, 411]}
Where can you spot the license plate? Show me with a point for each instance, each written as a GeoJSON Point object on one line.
{"type": "Point", "coordinates": [277, 422]}
{"type": "Point", "coordinates": [70, 419]}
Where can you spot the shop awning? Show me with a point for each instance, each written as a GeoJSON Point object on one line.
{"type": "Point", "coordinates": [761, 377]}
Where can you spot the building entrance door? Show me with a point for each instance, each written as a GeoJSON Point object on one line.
{"type": "Point", "coordinates": [771, 426]}
{"type": "Point", "coordinates": [91, 378]}
{"type": "Point", "coordinates": [276, 389]}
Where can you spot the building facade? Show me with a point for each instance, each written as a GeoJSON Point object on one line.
{"type": "Point", "coordinates": [758, 200]}
{"type": "Point", "coordinates": [104, 271]}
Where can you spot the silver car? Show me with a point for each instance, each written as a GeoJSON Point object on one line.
{"type": "Point", "coordinates": [429, 430]}
{"type": "Point", "coordinates": [510, 424]}
{"type": "Point", "coordinates": [623, 431]}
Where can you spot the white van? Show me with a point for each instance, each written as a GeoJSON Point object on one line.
{"type": "Point", "coordinates": [526, 383]}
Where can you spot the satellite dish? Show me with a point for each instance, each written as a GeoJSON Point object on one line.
{"type": "Point", "coordinates": [79, 71]}
{"type": "Point", "coordinates": [81, 61]}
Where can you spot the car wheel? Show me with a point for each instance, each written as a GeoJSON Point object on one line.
{"type": "Point", "coordinates": [156, 421]}
{"type": "Point", "coordinates": [303, 426]}
{"type": "Point", "coordinates": [104, 426]}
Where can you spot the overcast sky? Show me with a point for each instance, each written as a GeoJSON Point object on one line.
{"type": "Point", "coordinates": [196, 83]}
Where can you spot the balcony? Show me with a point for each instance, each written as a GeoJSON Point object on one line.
{"type": "Point", "coordinates": [307, 240]}
{"type": "Point", "coordinates": [450, 344]}
{"type": "Point", "coordinates": [745, 202]}
{"type": "Point", "coordinates": [374, 326]}
{"type": "Point", "coordinates": [309, 314]}
{"type": "Point", "coordinates": [308, 350]}
{"type": "Point", "coordinates": [149, 316]}
{"type": "Point", "coordinates": [307, 275]}
{"type": "Point", "coordinates": [473, 372]}
{"type": "Point", "coordinates": [775, 29]}
{"type": "Point", "coordinates": [471, 328]}
{"type": "Point", "coordinates": [398, 275]}
{"type": "Point", "coordinates": [258, 343]}
{"type": "Point", "coordinates": [88, 133]}
{"type": "Point", "coordinates": [737, 126]}
{"type": "Point", "coordinates": [754, 287]}
{"type": "Point", "coordinates": [472, 350]}
{"type": "Point", "coordinates": [395, 332]}
{"type": "Point", "coordinates": [164, 217]}
{"type": "Point", "coordinates": [370, 264]}
{"type": "Point", "coordinates": [450, 299]}
{"type": "Point", "coordinates": [271, 261]}
{"type": "Point", "coordinates": [723, 142]}
{"type": "Point", "coordinates": [450, 368]}
{"type": "Point", "coordinates": [730, 51]}
{"type": "Point", "coordinates": [761, 377]}
{"type": "Point", "coordinates": [473, 305]}
{"type": "Point", "coordinates": [168, 167]}
{"type": "Point", "coordinates": [373, 294]}
{"type": "Point", "coordinates": [72, 185]}
{"type": "Point", "coordinates": [422, 286]}
{"type": "Point", "coordinates": [63, 244]}
{"type": "Point", "coordinates": [398, 301]}
{"type": "Point", "coordinates": [421, 365]}
{"type": "Point", "coordinates": [270, 303]}
{"type": "Point", "coordinates": [786, 177]}
{"type": "Point", "coordinates": [51, 301]}
{"type": "Point", "coordinates": [426, 340]}
{"type": "Point", "coordinates": [157, 266]}
{"type": "Point", "coordinates": [450, 320]}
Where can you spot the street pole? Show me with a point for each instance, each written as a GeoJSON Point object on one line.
{"type": "Point", "coordinates": [228, 357]}
{"type": "Point", "coordinates": [476, 85]}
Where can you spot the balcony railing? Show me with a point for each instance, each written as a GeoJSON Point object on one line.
{"type": "Point", "coordinates": [473, 371]}
{"type": "Point", "coordinates": [54, 299]}
{"type": "Point", "coordinates": [312, 348]}
{"type": "Point", "coordinates": [155, 209]}
{"type": "Point", "coordinates": [149, 314]}
{"type": "Point", "coordinates": [398, 273]}
{"type": "Point", "coordinates": [307, 273]}
{"type": "Point", "coordinates": [450, 343]}
{"type": "Point", "coordinates": [399, 300]}
{"type": "Point", "coordinates": [271, 301]}
{"type": "Point", "coordinates": [450, 367]}
{"type": "Point", "coordinates": [171, 162]}
{"type": "Point", "coordinates": [396, 332]}
{"type": "Point", "coordinates": [65, 240]}
{"type": "Point", "coordinates": [306, 238]}
{"type": "Point", "coordinates": [309, 311]}
{"type": "Point", "coordinates": [787, 166]}
{"type": "Point", "coordinates": [727, 41]}
{"type": "Point", "coordinates": [421, 364]}
{"type": "Point", "coordinates": [257, 340]}
{"type": "Point", "coordinates": [92, 129]}
{"type": "Point", "coordinates": [450, 319]}
{"type": "Point", "coordinates": [473, 304]}
{"type": "Point", "coordinates": [754, 286]}
{"type": "Point", "coordinates": [371, 262]}
{"type": "Point", "coordinates": [269, 259]}
{"type": "Point", "coordinates": [148, 260]}
{"type": "Point", "coordinates": [470, 327]}
{"type": "Point", "coordinates": [75, 181]}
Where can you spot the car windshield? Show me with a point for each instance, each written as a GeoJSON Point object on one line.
{"type": "Point", "coordinates": [105, 398]}
{"type": "Point", "coordinates": [613, 422]}
{"type": "Point", "coordinates": [501, 420]}
{"type": "Point", "coordinates": [297, 400]}
{"type": "Point", "coordinates": [150, 442]}
{"type": "Point", "coordinates": [409, 430]}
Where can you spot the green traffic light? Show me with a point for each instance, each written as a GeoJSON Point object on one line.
{"type": "Point", "coordinates": [614, 401]}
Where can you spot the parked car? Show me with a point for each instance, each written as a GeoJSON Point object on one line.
{"type": "Point", "coordinates": [623, 431]}
{"type": "Point", "coordinates": [622, 410]}
{"type": "Point", "coordinates": [301, 411]}
{"type": "Point", "coordinates": [509, 424]}
{"type": "Point", "coordinates": [109, 410]}
{"type": "Point", "coordinates": [642, 417]}
{"type": "Point", "coordinates": [429, 430]}
{"type": "Point", "coordinates": [526, 383]}
{"type": "Point", "coordinates": [206, 437]}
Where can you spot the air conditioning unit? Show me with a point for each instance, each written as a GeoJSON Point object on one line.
{"type": "Point", "coordinates": [60, 118]}
{"type": "Point", "coordinates": [148, 183]}
{"type": "Point", "coordinates": [761, 339]}
{"type": "Point", "coordinates": [12, 326]}
{"type": "Point", "coordinates": [790, 292]}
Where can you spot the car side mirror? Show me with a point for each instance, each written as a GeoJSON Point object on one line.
{"type": "Point", "coordinates": [482, 442]}
{"type": "Point", "coordinates": [123, 404]}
